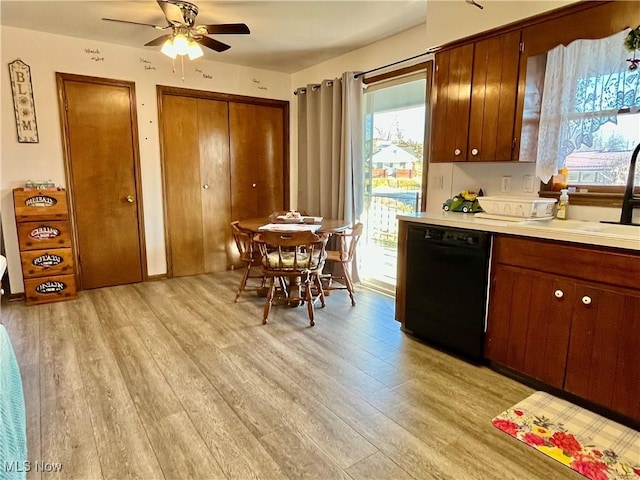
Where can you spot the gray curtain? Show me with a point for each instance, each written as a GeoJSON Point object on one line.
{"type": "Point", "coordinates": [330, 147]}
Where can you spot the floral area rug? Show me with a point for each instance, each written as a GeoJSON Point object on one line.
{"type": "Point", "coordinates": [593, 446]}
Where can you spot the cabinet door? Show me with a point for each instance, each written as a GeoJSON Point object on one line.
{"type": "Point", "coordinates": [493, 98]}
{"type": "Point", "coordinates": [258, 161]}
{"type": "Point", "coordinates": [603, 364]}
{"type": "Point", "coordinates": [452, 96]}
{"type": "Point", "coordinates": [529, 321]}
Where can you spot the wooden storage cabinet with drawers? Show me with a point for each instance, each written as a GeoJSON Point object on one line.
{"type": "Point", "coordinates": [44, 238]}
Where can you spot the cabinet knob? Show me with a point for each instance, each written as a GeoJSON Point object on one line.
{"type": "Point", "coordinates": [205, 186]}
{"type": "Point", "coordinates": [253, 185]}
{"type": "Point", "coordinates": [130, 198]}
{"type": "Point", "coordinates": [559, 293]}
{"type": "Point", "coordinates": [586, 300]}
{"type": "Point", "coordinates": [474, 151]}
{"type": "Point", "coordinates": [457, 152]}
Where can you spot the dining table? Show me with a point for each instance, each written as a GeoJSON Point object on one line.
{"type": "Point", "coordinates": [327, 225]}
{"type": "Point", "coordinates": [321, 225]}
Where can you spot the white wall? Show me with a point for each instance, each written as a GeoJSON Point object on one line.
{"type": "Point", "coordinates": [47, 54]}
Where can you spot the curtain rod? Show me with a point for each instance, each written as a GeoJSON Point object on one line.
{"type": "Point", "coordinates": [391, 64]}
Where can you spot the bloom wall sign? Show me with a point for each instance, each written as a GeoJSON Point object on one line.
{"type": "Point", "coordinates": [23, 104]}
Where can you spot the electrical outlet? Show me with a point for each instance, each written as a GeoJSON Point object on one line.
{"type": "Point", "coordinates": [527, 184]}
{"type": "Point", "coordinates": [438, 182]}
{"type": "Point", "coordinates": [506, 184]}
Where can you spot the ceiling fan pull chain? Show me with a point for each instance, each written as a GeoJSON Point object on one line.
{"type": "Point", "coordinates": [182, 62]}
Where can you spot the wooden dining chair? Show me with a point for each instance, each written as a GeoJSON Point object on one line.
{"type": "Point", "coordinates": [249, 255]}
{"type": "Point", "coordinates": [343, 257]}
{"type": "Point", "coordinates": [298, 257]}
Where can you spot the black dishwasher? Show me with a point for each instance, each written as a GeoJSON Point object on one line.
{"type": "Point", "coordinates": [447, 279]}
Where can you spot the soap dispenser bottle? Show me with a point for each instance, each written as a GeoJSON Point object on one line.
{"type": "Point", "coordinates": [563, 205]}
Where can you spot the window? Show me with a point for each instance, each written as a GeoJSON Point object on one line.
{"type": "Point", "coordinates": [395, 113]}
{"type": "Point", "coordinates": [589, 120]}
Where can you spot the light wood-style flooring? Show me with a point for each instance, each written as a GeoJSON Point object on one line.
{"type": "Point", "coordinates": [171, 379]}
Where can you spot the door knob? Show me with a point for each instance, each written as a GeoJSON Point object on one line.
{"type": "Point", "coordinates": [205, 186]}
{"type": "Point", "coordinates": [559, 293]}
{"type": "Point", "coordinates": [474, 151]}
{"type": "Point", "coordinates": [586, 300]}
{"type": "Point", "coordinates": [457, 152]}
{"type": "Point", "coordinates": [130, 198]}
{"type": "Point", "coordinates": [253, 185]}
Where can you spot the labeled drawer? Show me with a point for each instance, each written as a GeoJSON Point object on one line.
{"type": "Point", "coordinates": [40, 204]}
{"type": "Point", "coordinates": [42, 263]}
{"type": "Point", "coordinates": [53, 288]}
{"type": "Point", "coordinates": [47, 234]}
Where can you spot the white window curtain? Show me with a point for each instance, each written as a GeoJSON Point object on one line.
{"type": "Point", "coordinates": [585, 85]}
{"type": "Point", "coordinates": [330, 139]}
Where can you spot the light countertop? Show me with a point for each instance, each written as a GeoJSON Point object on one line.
{"type": "Point", "coordinates": [576, 231]}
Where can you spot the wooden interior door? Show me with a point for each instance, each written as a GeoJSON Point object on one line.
{"type": "Point", "coordinates": [102, 160]}
{"type": "Point", "coordinates": [196, 180]}
{"type": "Point", "coordinates": [257, 148]}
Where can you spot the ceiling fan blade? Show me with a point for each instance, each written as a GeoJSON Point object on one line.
{"type": "Point", "coordinates": [172, 12]}
{"type": "Point", "coordinates": [158, 41]}
{"type": "Point", "coordinates": [230, 28]}
{"type": "Point", "coordinates": [213, 44]}
{"type": "Point", "coordinates": [134, 23]}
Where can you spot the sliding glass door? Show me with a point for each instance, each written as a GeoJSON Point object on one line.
{"type": "Point", "coordinates": [394, 145]}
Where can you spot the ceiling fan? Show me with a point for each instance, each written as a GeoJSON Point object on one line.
{"type": "Point", "coordinates": [186, 36]}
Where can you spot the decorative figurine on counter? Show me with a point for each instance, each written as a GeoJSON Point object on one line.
{"type": "Point", "coordinates": [465, 201]}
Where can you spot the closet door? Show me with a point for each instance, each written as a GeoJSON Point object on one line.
{"type": "Point", "coordinates": [196, 181]}
{"type": "Point", "coordinates": [258, 162]}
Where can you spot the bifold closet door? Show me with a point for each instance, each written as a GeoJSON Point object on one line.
{"type": "Point", "coordinates": [196, 180]}
{"type": "Point", "coordinates": [258, 167]}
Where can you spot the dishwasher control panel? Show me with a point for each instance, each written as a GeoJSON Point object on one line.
{"type": "Point", "coordinates": [450, 236]}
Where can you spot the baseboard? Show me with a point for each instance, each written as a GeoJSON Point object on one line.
{"type": "Point", "coordinates": [15, 297]}
{"type": "Point", "coordinates": [155, 278]}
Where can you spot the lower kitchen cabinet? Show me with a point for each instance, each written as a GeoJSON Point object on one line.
{"type": "Point", "coordinates": [569, 317]}
{"type": "Point", "coordinates": [529, 322]}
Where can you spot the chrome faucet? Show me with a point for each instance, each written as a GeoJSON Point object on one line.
{"type": "Point", "coordinates": [629, 200]}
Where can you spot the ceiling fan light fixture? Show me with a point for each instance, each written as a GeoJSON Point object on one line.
{"type": "Point", "coordinates": [195, 51]}
{"type": "Point", "coordinates": [168, 49]}
{"type": "Point", "coordinates": [181, 44]}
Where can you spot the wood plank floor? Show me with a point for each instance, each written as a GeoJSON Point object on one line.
{"type": "Point", "coordinates": [171, 379]}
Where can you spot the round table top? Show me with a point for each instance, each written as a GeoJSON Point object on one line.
{"type": "Point", "coordinates": [328, 225]}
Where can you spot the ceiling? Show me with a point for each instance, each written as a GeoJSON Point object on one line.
{"type": "Point", "coordinates": [286, 36]}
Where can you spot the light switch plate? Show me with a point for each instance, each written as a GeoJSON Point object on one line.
{"type": "Point", "coordinates": [527, 184]}
{"type": "Point", "coordinates": [506, 184]}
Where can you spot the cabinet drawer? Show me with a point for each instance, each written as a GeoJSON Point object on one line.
{"type": "Point", "coordinates": [53, 288]}
{"type": "Point", "coordinates": [42, 263]}
{"type": "Point", "coordinates": [40, 235]}
{"type": "Point", "coordinates": [607, 266]}
{"type": "Point", "coordinates": [40, 204]}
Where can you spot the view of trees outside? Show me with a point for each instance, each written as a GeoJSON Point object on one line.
{"type": "Point", "coordinates": [606, 160]}
{"type": "Point", "coordinates": [394, 142]}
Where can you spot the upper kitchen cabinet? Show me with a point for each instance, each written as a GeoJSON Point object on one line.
{"type": "Point", "coordinates": [475, 98]}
